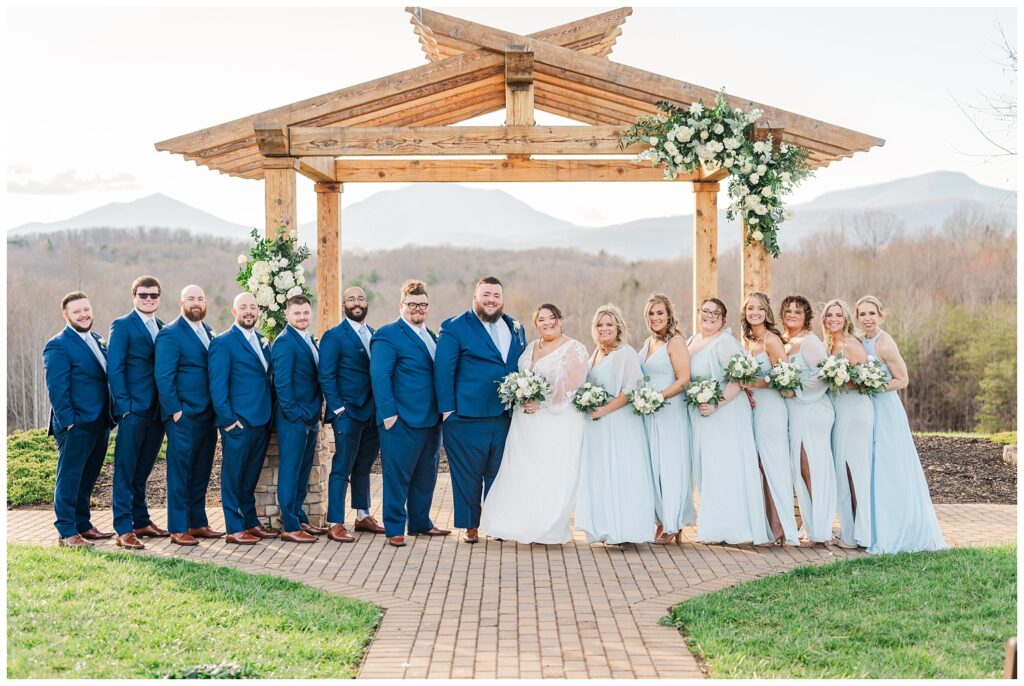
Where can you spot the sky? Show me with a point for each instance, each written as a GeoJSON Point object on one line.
{"type": "Point", "coordinates": [90, 90]}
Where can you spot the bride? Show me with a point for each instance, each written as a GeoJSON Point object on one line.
{"type": "Point", "coordinates": [535, 490]}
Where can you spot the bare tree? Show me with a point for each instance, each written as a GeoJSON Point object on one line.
{"type": "Point", "coordinates": [995, 116]}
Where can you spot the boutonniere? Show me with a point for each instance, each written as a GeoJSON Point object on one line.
{"type": "Point", "coordinates": [314, 339]}
{"type": "Point", "coordinates": [516, 326]}
{"type": "Point", "coordinates": [264, 343]}
{"type": "Point", "coordinates": [102, 342]}
{"type": "Point", "coordinates": [210, 332]}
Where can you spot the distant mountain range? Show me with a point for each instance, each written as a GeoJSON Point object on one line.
{"type": "Point", "coordinates": [495, 219]}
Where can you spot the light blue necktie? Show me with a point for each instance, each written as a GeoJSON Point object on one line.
{"type": "Point", "coordinates": [201, 332]}
{"type": "Point", "coordinates": [364, 335]}
{"type": "Point", "coordinates": [309, 342]}
{"type": "Point", "coordinates": [94, 346]}
{"type": "Point", "coordinates": [254, 342]}
{"type": "Point", "coordinates": [151, 325]}
{"type": "Point", "coordinates": [428, 341]}
{"type": "Point", "coordinates": [492, 329]}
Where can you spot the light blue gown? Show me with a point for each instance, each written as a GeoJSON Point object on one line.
{"type": "Point", "coordinates": [668, 433]}
{"type": "Point", "coordinates": [852, 448]}
{"type": "Point", "coordinates": [811, 416]}
{"type": "Point", "coordinates": [615, 502]}
{"type": "Point", "coordinates": [731, 498]}
{"type": "Point", "coordinates": [771, 436]}
{"type": "Point", "coordinates": [903, 519]}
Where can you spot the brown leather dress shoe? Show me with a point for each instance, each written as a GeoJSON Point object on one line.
{"type": "Point", "coordinates": [205, 532]}
{"type": "Point", "coordinates": [431, 532]}
{"type": "Point", "coordinates": [368, 524]}
{"type": "Point", "coordinates": [129, 541]}
{"type": "Point", "coordinates": [298, 537]}
{"type": "Point", "coordinates": [471, 536]}
{"type": "Point", "coordinates": [75, 541]}
{"type": "Point", "coordinates": [242, 538]}
{"type": "Point", "coordinates": [184, 539]}
{"type": "Point", "coordinates": [95, 534]}
{"type": "Point", "coordinates": [397, 541]}
{"type": "Point", "coordinates": [339, 533]}
{"type": "Point", "coordinates": [262, 532]}
{"type": "Point", "coordinates": [314, 530]}
{"type": "Point", "coordinates": [152, 531]}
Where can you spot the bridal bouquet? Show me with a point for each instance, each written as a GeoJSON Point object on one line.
{"type": "Point", "coordinates": [589, 397]}
{"type": "Point", "coordinates": [704, 391]}
{"type": "Point", "coordinates": [519, 388]}
{"type": "Point", "coordinates": [836, 371]}
{"type": "Point", "coordinates": [870, 376]}
{"type": "Point", "coordinates": [784, 376]}
{"type": "Point", "coordinates": [743, 367]}
{"type": "Point", "coordinates": [645, 399]}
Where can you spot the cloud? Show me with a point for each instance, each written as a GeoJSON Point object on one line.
{"type": "Point", "coordinates": [19, 180]}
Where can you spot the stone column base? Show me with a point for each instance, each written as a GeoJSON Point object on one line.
{"type": "Point", "coordinates": [315, 506]}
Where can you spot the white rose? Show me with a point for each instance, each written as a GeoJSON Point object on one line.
{"type": "Point", "coordinates": [704, 135]}
{"type": "Point", "coordinates": [757, 236]}
{"type": "Point", "coordinates": [281, 297]}
{"type": "Point", "coordinates": [653, 140]}
{"type": "Point", "coordinates": [719, 129]}
{"type": "Point", "coordinates": [274, 307]}
{"type": "Point", "coordinates": [242, 259]}
{"type": "Point", "coordinates": [684, 134]}
{"type": "Point", "coordinates": [754, 178]}
{"type": "Point", "coordinates": [704, 396]}
{"type": "Point", "coordinates": [300, 279]}
{"type": "Point", "coordinates": [766, 192]}
{"type": "Point", "coordinates": [761, 169]}
{"type": "Point", "coordinates": [294, 290]}
{"type": "Point", "coordinates": [271, 323]}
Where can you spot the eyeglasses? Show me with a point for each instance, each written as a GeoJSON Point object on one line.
{"type": "Point", "coordinates": [422, 307]}
{"type": "Point", "coordinates": [711, 313]}
{"type": "Point", "coordinates": [360, 299]}
{"type": "Point", "coordinates": [148, 296]}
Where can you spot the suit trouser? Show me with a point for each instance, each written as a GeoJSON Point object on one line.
{"type": "Point", "coordinates": [243, 452]}
{"type": "Point", "coordinates": [408, 458]}
{"type": "Point", "coordinates": [80, 455]}
{"type": "Point", "coordinates": [356, 445]}
{"type": "Point", "coordinates": [135, 450]}
{"type": "Point", "coordinates": [191, 443]}
{"type": "Point", "coordinates": [474, 446]}
{"type": "Point", "coordinates": [296, 444]}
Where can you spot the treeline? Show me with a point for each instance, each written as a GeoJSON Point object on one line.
{"type": "Point", "coordinates": [950, 295]}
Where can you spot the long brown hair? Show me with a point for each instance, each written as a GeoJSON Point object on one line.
{"type": "Point", "coordinates": [671, 326]}
{"type": "Point", "coordinates": [769, 316]}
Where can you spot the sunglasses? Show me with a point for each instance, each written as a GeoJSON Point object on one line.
{"type": "Point", "coordinates": [148, 296]}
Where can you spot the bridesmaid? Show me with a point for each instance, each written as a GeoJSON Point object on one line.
{"type": "Point", "coordinates": [903, 519]}
{"type": "Point", "coordinates": [615, 503]}
{"type": "Point", "coordinates": [851, 435]}
{"type": "Point", "coordinates": [810, 424]}
{"type": "Point", "coordinates": [665, 359]}
{"type": "Point", "coordinates": [731, 500]}
{"type": "Point", "coordinates": [763, 340]}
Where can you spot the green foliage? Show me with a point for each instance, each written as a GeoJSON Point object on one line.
{"type": "Point", "coordinates": [914, 615]}
{"type": "Point", "coordinates": [85, 613]}
{"type": "Point", "coordinates": [1004, 438]}
{"type": "Point", "coordinates": [273, 272]}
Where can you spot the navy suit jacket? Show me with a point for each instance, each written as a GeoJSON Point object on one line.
{"type": "Point", "coordinates": [299, 399]}
{"type": "Point", "coordinates": [468, 366]}
{"type": "Point", "coordinates": [345, 374]}
{"type": "Point", "coordinates": [182, 377]}
{"type": "Point", "coordinates": [76, 382]}
{"type": "Point", "coordinates": [130, 361]}
{"type": "Point", "coordinates": [239, 386]}
{"type": "Point", "coordinates": [402, 375]}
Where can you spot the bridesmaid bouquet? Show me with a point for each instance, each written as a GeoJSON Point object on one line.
{"type": "Point", "coordinates": [589, 397]}
{"type": "Point", "coordinates": [743, 367]}
{"type": "Point", "coordinates": [870, 376]}
{"type": "Point", "coordinates": [519, 388]}
{"type": "Point", "coordinates": [646, 400]}
{"type": "Point", "coordinates": [784, 376]}
{"type": "Point", "coordinates": [836, 371]}
{"type": "Point", "coordinates": [704, 391]}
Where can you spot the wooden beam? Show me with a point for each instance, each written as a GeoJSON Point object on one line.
{"type": "Point", "coordinates": [519, 89]}
{"type": "Point", "coordinates": [755, 267]}
{"type": "Point", "coordinates": [317, 169]}
{"type": "Point", "coordinates": [328, 255]}
{"type": "Point", "coordinates": [279, 194]}
{"type": "Point", "coordinates": [458, 140]}
{"type": "Point", "coordinates": [498, 170]}
{"type": "Point", "coordinates": [705, 246]}
{"type": "Point", "coordinates": [271, 139]}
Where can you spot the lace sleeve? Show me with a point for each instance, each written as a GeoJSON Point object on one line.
{"type": "Point", "coordinates": [572, 373]}
{"type": "Point", "coordinates": [813, 352]}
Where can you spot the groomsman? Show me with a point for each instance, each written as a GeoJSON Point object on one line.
{"type": "Point", "coordinates": [475, 350]}
{"type": "Point", "coordinates": [140, 432]}
{"type": "Point", "coordinates": [345, 380]}
{"type": "Point", "coordinates": [299, 404]}
{"type": "Point", "coordinates": [75, 361]}
{"type": "Point", "coordinates": [402, 375]}
{"type": "Point", "coordinates": [183, 385]}
{"type": "Point", "coordinates": [240, 389]}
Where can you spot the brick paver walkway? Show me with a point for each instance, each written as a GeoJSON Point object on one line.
{"type": "Point", "coordinates": [500, 609]}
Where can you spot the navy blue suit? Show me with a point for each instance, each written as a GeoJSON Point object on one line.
{"type": "Point", "coordinates": [130, 361]}
{"type": "Point", "coordinates": [80, 420]}
{"type": "Point", "coordinates": [345, 380]}
{"type": "Point", "coordinates": [299, 404]}
{"type": "Point", "coordinates": [402, 376]}
{"type": "Point", "coordinates": [183, 385]}
{"type": "Point", "coordinates": [241, 390]}
{"type": "Point", "coordinates": [467, 370]}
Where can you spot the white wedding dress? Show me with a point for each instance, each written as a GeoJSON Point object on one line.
{"type": "Point", "coordinates": [533, 495]}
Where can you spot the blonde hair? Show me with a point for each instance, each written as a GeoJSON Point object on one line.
{"type": "Point", "coordinates": [769, 316]}
{"type": "Point", "coordinates": [671, 326]}
{"type": "Point", "coordinates": [616, 314]}
{"type": "Point", "coordinates": [850, 329]}
{"type": "Point", "coordinates": [413, 287]}
{"type": "Point", "coordinates": [870, 299]}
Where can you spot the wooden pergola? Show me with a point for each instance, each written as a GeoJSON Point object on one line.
{"type": "Point", "coordinates": [383, 131]}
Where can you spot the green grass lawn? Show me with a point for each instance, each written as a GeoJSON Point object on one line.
{"type": "Point", "coordinates": [920, 615]}
{"type": "Point", "coordinates": [1003, 438]}
{"type": "Point", "coordinates": [117, 615]}
{"type": "Point", "coordinates": [32, 466]}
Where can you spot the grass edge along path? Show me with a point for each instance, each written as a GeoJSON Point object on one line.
{"type": "Point", "coordinates": [945, 614]}
{"type": "Point", "coordinates": [84, 613]}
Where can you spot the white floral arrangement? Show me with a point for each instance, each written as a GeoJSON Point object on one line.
{"type": "Point", "coordinates": [836, 371]}
{"type": "Point", "coordinates": [645, 399]}
{"type": "Point", "coordinates": [870, 376]}
{"type": "Point", "coordinates": [590, 397]}
{"type": "Point", "coordinates": [519, 388]}
{"type": "Point", "coordinates": [273, 272]}
{"type": "Point", "coordinates": [720, 138]}
{"type": "Point", "coordinates": [702, 391]}
{"type": "Point", "coordinates": [785, 376]}
{"type": "Point", "coordinates": [743, 367]}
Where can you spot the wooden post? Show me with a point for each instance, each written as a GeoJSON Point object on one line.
{"type": "Point", "coordinates": [519, 91]}
{"type": "Point", "coordinates": [279, 193]}
{"type": "Point", "coordinates": [328, 255]}
{"type": "Point", "coordinates": [755, 267]}
{"type": "Point", "coordinates": [705, 245]}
